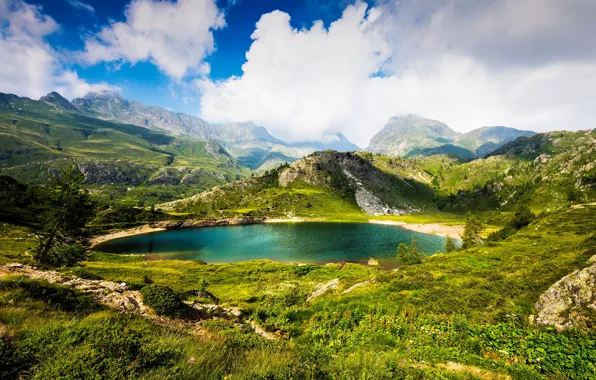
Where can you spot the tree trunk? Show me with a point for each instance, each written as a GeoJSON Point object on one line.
{"type": "Point", "coordinates": [48, 244]}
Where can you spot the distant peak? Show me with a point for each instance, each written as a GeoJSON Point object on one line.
{"type": "Point", "coordinates": [103, 94]}
{"type": "Point", "coordinates": [57, 100]}
{"type": "Point", "coordinates": [52, 95]}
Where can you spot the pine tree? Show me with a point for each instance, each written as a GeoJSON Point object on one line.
{"type": "Point", "coordinates": [471, 235]}
{"type": "Point", "coordinates": [68, 208]}
{"type": "Point", "coordinates": [449, 245]}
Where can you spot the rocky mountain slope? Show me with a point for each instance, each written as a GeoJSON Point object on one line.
{"type": "Point", "coordinates": [247, 142]}
{"type": "Point", "coordinates": [323, 182]}
{"type": "Point", "coordinates": [413, 135]}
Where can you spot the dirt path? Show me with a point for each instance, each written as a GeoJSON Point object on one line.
{"type": "Point", "coordinates": [117, 296]}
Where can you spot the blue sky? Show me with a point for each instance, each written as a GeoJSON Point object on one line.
{"type": "Point", "coordinates": [306, 68]}
{"type": "Point", "coordinates": [143, 81]}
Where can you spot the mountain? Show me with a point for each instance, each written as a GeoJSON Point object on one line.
{"type": "Point", "coordinates": [58, 100]}
{"type": "Point", "coordinates": [40, 137]}
{"type": "Point", "coordinates": [413, 135]}
{"type": "Point", "coordinates": [545, 171]}
{"type": "Point", "coordinates": [404, 134]}
{"type": "Point", "coordinates": [486, 139]}
{"type": "Point", "coordinates": [323, 183]}
{"type": "Point", "coordinates": [248, 142]}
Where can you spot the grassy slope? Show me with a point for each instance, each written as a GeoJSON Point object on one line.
{"type": "Point", "coordinates": [34, 142]}
{"type": "Point", "coordinates": [541, 171]}
{"type": "Point", "coordinates": [469, 307]}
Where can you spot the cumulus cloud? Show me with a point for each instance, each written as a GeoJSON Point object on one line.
{"type": "Point", "coordinates": [523, 63]}
{"type": "Point", "coordinates": [30, 66]}
{"type": "Point", "coordinates": [81, 5]}
{"type": "Point", "coordinates": [175, 36]}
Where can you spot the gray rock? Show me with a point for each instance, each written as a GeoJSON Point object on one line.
{"type": "Point", "coordinates": [565, 303]}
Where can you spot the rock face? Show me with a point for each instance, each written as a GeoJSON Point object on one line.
{"type": "Point", "coordinates": [115, 172]}
{"type": "Point", "coordinates": [570, 301]}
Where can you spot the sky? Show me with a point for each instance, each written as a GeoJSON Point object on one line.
{"type": "Point", "coordinates": [306, 68]}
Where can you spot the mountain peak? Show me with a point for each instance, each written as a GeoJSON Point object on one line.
{"type": "Point", "coordinates": [103, 95]}
{"type": "Point", "coordinates": [58, 100]}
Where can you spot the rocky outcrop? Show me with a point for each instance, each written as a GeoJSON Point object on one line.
{"type": "Point", "coordinates": [323, 288]}
{"type": "Point", "coordinates": [374, 191]}
{"type": "Point", "coordinates": [184, 176]}
{"type": "Point", "coordinates": [114, 172]}
{"type": "Point", "coordinates": [571, 301]}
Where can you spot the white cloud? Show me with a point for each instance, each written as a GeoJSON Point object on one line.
{"type": "Point", "coordinates": [30, 67]}
{"type": "Point", "coordinates": [518, 63]}
{"type": "Point", "coordinates": [81, 5]}
{"type": "Point", "coordinates": [176, 37]}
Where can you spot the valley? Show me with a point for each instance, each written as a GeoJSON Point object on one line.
{"type": "Point", "coordinates": [335, 289]}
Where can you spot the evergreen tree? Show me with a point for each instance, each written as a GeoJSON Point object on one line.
{"type": "Point", "coordinates": [449, 245]}
{"type": "Point", "coordinates": [68, 208]}
{"type": "Point", "coordinates": [471, 235]}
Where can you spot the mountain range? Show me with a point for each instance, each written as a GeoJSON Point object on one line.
{"type": "Point", "coordinates": [251, 144]}
{"type": "Point", "coordinates": [412, 135]}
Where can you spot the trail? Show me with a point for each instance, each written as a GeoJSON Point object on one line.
{"type": "Point", "coordinates": [119, 297]}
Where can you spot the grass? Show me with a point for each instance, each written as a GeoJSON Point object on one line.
{"type": "Point", "coordinates": [468, 307]}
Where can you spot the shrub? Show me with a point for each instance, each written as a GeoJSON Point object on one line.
{"type": "Point", "coordinates": [147, 280]}
{"type": "Point", "coordinates": [85, 274]}
{"type": "Point", "coordinates": [523, 216]}
{"type": "Point", "coordinates": [409, 255]}
{"type": "Point", "coordinates": [163, 300]}
{"type": "Point", "coordinates": [501, 234]}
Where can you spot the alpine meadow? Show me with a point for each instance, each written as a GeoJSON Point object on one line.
{"type": "Point", "coordinates": [258, 189]}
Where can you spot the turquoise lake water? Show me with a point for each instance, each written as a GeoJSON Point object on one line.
{"type": "Point", "coordinates": [288, 242]}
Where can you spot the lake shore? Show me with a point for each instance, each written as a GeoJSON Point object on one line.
{"type": "Point", "coordinates": [171, 225]}
{"type": "Point", "coordinates": [146, 229]}
{"type": "Point", "coordinates": [426, 228]}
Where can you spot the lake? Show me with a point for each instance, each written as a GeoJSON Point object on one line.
{"type": "Point", "coordinates": [288, 242]}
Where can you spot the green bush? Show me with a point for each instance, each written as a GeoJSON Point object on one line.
{"type": "Point", "coordinates": [85, 274]}
{"type": "Point", "coordinates": [523, 216]}
{"type": "Point", "coordinates": [449, 245]}
{"type": "Point", "coordinates": [409, 255]}
{"type": "Point", "coordinates": [163, 300]}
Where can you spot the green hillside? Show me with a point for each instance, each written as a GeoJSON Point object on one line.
{"type": "Point", "coordinates": [546, 172]}
{"type": "Point", "coordinates": [41, 137]}
{"type": "Point", "coordinates": [325, 184]}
